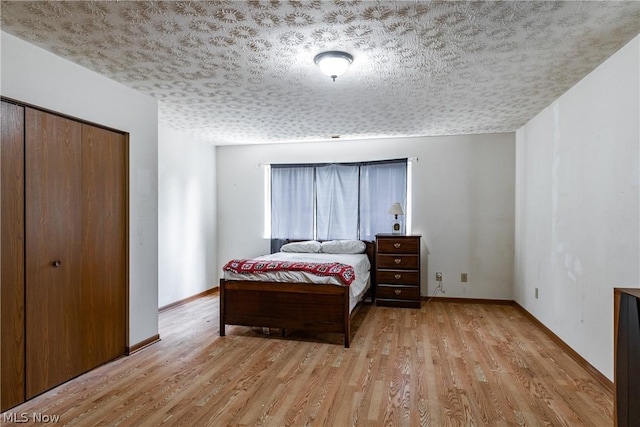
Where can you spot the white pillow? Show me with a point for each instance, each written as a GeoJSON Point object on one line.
{"type": "Point", "coordinates": [344, 247]}
{"type": "Point", "coordinates": [308, 246]}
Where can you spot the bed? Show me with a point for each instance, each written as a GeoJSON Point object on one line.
{"type": "Point", "coordinates": [289, 301]}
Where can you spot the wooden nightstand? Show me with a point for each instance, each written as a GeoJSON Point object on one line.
{"type": "Point", "coordinates": [398, 270]}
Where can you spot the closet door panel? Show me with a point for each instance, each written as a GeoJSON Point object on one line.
{"type": "Point", "coordinates": [12, 255]}
{"type": "Point", "coordinates": [104, 248]}
{"type": "Point", "coordinates": [53, 194]}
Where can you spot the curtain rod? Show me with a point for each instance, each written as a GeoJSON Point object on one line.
{"type": "Point", "coordinates": [410, 159]}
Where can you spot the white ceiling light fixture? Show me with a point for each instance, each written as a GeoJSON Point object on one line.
{"type": "Point", "coordinates": [333, 63]}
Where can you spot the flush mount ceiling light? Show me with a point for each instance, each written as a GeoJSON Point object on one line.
{"type": "Point", "coordinates": [333, 63]}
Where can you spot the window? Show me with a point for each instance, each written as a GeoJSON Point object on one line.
{"type": "Point", "coordinates": [336, 201]}
{"type": "Point", "coordinates": [292, 202]}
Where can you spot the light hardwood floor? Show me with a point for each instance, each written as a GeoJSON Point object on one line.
{"type": "Point", "coordinates": [447, 364]}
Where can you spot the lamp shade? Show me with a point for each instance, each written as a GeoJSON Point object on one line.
{"type": "Point", "coordinates": [396, 209]}
{"type": "Point", "coordinates": [333, 63]}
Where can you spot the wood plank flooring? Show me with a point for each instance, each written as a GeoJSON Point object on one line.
{"type": "Point", "coordinates": [447, 364]}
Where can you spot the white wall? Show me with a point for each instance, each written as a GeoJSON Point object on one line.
{"type": "Point", "coordinates": [35, 76]}
{"type": "Point", "coordinates": [463, 194]}
{"type": "Point", "coordinates": [186, 217]}
{"type": "Point", "coordinates": [577, 206]}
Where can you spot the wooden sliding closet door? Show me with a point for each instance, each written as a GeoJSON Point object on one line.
{"type": "Point", "coordinates": [53, 195]}
{"type": "Point", "coordinates": [64, 249]}
{"type": "Point", "coordinates": [104, 245]}
{"type": "Point", "coordinates": [12, 255]}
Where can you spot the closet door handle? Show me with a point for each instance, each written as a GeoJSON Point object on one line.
{"type": "Point", "coordinates": [57, 263]}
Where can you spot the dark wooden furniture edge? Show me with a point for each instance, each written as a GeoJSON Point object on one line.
{"type": "Point", "coordinates": [616, 310]}
{"type": "Point", "coordinates": [619, 382]}
{"type": "Point", "coordinates": [175, 304]}
{"type": "Point", "coordinates": [142, 344]}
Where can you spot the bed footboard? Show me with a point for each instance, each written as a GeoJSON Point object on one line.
{"type": "Point", "coordinates": [298, 306]}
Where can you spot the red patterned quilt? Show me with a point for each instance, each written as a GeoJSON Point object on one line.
{"type": "Point", "coordinates": [343, 271]}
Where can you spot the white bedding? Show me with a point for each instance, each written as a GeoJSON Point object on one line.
{"type": "Point", "coordinates": [359, 262]}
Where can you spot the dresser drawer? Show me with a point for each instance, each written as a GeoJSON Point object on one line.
{"type": "Point", "coordinates": [398, 292]}
{"type": "Point", "coordinates": [411, 262]}
{"type": "Point", "coordinates": [397, 270]}
{"type": "Point", "coordinates": [398, 277]}
{"type": "Point", "coordinates": [390, 245]}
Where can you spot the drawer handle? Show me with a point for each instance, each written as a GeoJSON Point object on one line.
{"type": "Point", "coordinates": [398, 276]}
{"type": "Point", "coordinates": [57, 263]}
{"type": "Point", "coordinates": [397, 245]}
{"type": "Point", "coordinates": [398, 291]}
{"type": "Point", "coordinates": [397, 260]}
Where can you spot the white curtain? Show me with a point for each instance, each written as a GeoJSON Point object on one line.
{"type": "Point", "coordinates": [292, 202]}
{"type": "Point", "coordinates": [337, 202]}
{"type": "Point", "coordinates": [381, 185]}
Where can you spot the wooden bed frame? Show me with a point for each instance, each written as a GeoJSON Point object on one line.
{"type": "Point", "coordinates": [298, 306]}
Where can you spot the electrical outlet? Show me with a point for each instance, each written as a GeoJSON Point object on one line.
{"type": "Point", "coordinates": [536, 293]}
{"type": "Point", "coordinates": [438, 277]}
{"type": "Point", "coordinates": [463, 277]}
{"type": "Point", "coordinates": [266, 331]}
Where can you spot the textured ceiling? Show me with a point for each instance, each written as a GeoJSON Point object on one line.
{"type": "Point", "coordinates": [243, 71]}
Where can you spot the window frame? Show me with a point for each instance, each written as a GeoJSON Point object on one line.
{"type": "Point", "coordinates": [315, 166]}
